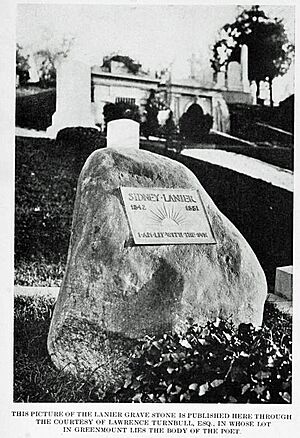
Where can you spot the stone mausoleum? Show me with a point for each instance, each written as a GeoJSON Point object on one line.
{"type": "Point", "coordinates": [82, 92]}
{"type": "Point", "coordinates": [115, 84]}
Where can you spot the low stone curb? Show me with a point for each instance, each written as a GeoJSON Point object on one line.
{"type": "Point", "coordinates": [282, 304]}
{"type": "Point", "coordinates": [31, 291]}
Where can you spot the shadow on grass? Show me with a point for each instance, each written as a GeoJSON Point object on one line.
{"type": "Point", "coordinates": [35, 377]}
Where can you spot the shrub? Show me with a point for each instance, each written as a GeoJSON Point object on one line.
{"type": "Point", "coordinates": [120, 110]}
{"type": "Point", "coordinates": [194, 124]}
{"type": "Point", "coordinates": [35, 111]}
{"type": "Point", "coordinates": [150, 125]}
{"type": "Point", "coordinates": [212, 364]}
{"type": "Point", "coordinates": [80, 139]}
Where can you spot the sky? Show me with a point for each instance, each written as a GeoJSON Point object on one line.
{"type": "Point", "coordinates": [155, 35]}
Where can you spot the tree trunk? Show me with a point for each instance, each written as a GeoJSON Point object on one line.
{"type": "Point", "coordinates": [271, 92]}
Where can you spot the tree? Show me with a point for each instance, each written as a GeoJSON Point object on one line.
{"type": "Point", "coordinates": [46, 59]}
{"type": "Point", "coordinates": [150, 125]}
{"type": "Point", "coordinates": [22, 66]}
{"type": "Point", "coordinates": [194, 124]}
{"type": "Point", "coordinates": [269, 49]}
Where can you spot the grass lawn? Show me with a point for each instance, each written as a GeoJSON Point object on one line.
{"type": "Point", "coordinates": [35, 378]}
{"type": "Point", "coordinates": [45, 187]}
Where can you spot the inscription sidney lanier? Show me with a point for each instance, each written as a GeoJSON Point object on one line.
{"type": "Point", "coordinates": [166, 216]}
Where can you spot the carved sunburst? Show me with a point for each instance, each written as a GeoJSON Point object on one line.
{"type": "Point", "coordinates": [166, 216]}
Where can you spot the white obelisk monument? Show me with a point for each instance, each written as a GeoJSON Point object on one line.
{"type": "Point", "coordinates": [73, 96]}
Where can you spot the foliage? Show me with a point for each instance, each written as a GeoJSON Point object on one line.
{"type": "Point", "coordinates": [215, 364]}
{"type": "Point", "coordinates": [169, 130]}
{"type": "Point", "coordinates": [120, 110]}
{"type": "Point", "coordinates": [150, 124]}
{"type": "Point", "coordinates": [131, 65]}
{"type": "Point", "coordinates": [269, 50]}
{"type": "Point", "coordinates": [79, 139]}
{"type": "Point", "coordinates": [22, 66]}
{"type": "Point", "coordinates": [194, 125]}
{"type": "Point", "coordinates": [128, 111]}
{"type": "Point", "coordinates": [212, 364]}
{"type": "Point", "coordinates": [46, 59]}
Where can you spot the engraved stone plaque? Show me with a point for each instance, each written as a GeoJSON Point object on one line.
{"type": "Point", "coordinates": [162, 216]}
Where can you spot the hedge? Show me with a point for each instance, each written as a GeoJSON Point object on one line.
{"type": "Point", "coordinates": [35, 111]}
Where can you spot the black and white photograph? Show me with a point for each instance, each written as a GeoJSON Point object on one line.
{"type": "Point", "coordinates": [152, 220]}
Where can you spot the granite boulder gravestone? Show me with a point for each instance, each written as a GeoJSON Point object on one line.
{"type": "Point", "coordinates": [115, 290]}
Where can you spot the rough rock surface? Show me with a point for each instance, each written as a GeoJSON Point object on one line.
{"type": "Point", "coordinates": [114, 292]}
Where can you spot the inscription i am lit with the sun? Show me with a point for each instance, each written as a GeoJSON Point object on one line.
{"type": "Point", "coordinates": [166, 216]}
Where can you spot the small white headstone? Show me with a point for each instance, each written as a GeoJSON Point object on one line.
{"type": "Point", "coordinates": [264, 92]}
{"type": "Point", "coordinates": [123, 133]}
{"type": "Point", "coordinates": [220, 79]}
{"type": "Point", "coordinates": [234, 76]}
{"type": "Point", "coordinates": [253, 89]}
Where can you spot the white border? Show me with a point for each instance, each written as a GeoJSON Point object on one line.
{"type": "Point", "coordinates": [22, 427]}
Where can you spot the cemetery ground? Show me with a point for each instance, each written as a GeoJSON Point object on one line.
{"type": "Point", "coordinates": [217, 363]}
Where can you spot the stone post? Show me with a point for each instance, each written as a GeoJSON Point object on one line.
{"type": "Point", "coordinates": [244, 68]}
{"type": "Point", "coordinates": [234, 77]}
{"type": "Point", "coordinates": [220, 80]}
{"type": "Point", "coordinates": [253, 89]}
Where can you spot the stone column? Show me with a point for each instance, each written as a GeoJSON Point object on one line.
{"type": "Point", "coordinates": [244, 68]}
{"type": "Point", "coordinates": [73, 96]}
